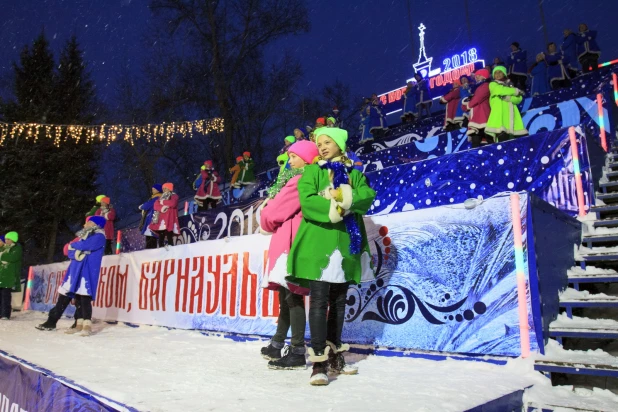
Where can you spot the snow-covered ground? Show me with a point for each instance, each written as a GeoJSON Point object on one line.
{"type": "Point", "coordinates": [156, 369]}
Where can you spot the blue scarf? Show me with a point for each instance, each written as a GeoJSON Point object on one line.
{"type": "Point", "coordinates": [340, 177]}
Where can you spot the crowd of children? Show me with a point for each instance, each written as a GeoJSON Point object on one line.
{"type": "Point", "coordinates": [487, 104]}
{"type": "Point", "coordinates": [487, 107]}
{"type": "Point", "coordinates": [315, 208]}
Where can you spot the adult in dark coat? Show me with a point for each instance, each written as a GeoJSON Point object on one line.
{"type": "Point", "coordinates": [517, 66]}
{"type": "Point", "coordinates": [587, 48]}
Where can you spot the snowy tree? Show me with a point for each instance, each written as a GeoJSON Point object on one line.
{"type": "Point", "coordinates": [230, 36]}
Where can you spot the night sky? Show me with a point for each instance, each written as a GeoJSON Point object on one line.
{"type": "Point", "coordinates": [364, 43]}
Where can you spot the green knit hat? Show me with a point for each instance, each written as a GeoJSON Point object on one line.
{"type": "Point", "coordinates": [290, 139]}
{"type": "Point", "coordinates": [98, 198]}
{"type": "Point", "coordinates": [340, 136]}
{"type": "Point", "coordinates": [499, 69]}
{"type": "Point", "coordinates": [332, 119]}
{"type": "Point", "coordinates": [12, 236]}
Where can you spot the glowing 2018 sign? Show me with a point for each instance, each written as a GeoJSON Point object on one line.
{"type": "Point", "coordinates": [454, 62]}
{"type": "Point", "coordinates": [464, 63]}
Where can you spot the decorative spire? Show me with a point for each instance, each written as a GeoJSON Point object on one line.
{"type": "Point", "coordinates": [423, 65]}
{"type": "Point", "coordinates": [421, 35]}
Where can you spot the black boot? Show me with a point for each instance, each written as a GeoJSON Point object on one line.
{"type": "Point", "coordinates": [55, 313]}
{"type": "Point", "coordinates": [336, 360]}
{"type": "Point", "coordinates": [272, 352]}
{"type": "Point", "coordinates": [293, 358]}
{"type": "Point", "coordinates": [319, 376]}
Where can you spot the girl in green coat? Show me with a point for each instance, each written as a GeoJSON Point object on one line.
{"type": "Point", "coordinates": [330, 250]}
{"type": "Point", "coordinates": [504, 122]}
{"type": "Point", "coordinates": [10, 273]}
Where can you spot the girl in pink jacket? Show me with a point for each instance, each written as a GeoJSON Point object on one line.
{"type": "Point", "coordinates": [281, 216]}
{"type": "Point", "coordinates": [208, 193]}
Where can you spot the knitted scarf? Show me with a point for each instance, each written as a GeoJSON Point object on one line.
{"type": "Point", "coordinates": [87, 231]}
{"type": "Point", "coordinates": [341, 176]}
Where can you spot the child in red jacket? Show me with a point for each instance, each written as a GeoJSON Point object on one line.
{"type": "Point", "coordinates": [107, 211]}
{"type": "Point", "coordinates": [478, 107]}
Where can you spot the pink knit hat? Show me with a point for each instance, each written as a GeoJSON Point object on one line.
{"type": "Point", "coordinates": [305, 149]}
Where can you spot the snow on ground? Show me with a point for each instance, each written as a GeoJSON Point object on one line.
{"type": "Point", "coordinates": [564, 322]}
{"type": "Point", "coordinates": [156, 369]}
{"type": "Point", "coordinates": [570, 294]}
{"type": "Point", "coordinates": [555, 352]}
{"type": "Point", "coordinates": [590, 270]}
{"type": "Point", "coordinates": [568, 397]}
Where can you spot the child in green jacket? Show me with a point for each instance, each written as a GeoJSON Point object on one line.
{"type": "Point", "coordinates": [505, 121]}
{"type": "Point", "coordinates": [10, 273]}
{"type": "Point", "coordinates": [330, 250]}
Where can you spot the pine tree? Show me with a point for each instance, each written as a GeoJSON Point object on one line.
{"type": "Point", "coordinates": [34, 81]}
{"type": "Point", "coordinates": [74, 91]}
{"type": "Point", "coordinates": [47, 187]}
{"type": "Point", "coordinates": [74, 164]}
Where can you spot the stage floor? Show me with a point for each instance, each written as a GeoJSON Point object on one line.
{"type": "Point", "coordinates": [156, 369]}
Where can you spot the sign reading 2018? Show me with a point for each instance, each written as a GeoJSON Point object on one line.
{"type": "Point", "coordinates": [458, 60]}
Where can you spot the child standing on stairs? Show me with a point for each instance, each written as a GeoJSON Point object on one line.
{"type": "Point", "coordinates": [281, 216]}
{"type": "Point", "coordinates": [81, 278]}
{"type": "Point", "coordinates": [330, 250]}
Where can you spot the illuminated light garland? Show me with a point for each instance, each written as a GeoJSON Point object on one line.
{"type": "Point", "coordinates": [107, 133]}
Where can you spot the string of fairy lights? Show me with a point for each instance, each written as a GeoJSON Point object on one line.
{"type": "Point", "coordinates": [104, 133]}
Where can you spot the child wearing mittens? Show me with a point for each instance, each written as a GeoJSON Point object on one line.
{"type": "Point", "coordinates": [281, 216]}
{"type": "Point", "coordinates": [330, 250]}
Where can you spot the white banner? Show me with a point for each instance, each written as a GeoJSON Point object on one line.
{"type": "Point", "coordinates": [212, 285]}
{"type": "Point", "coordinates": [445, 281]}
